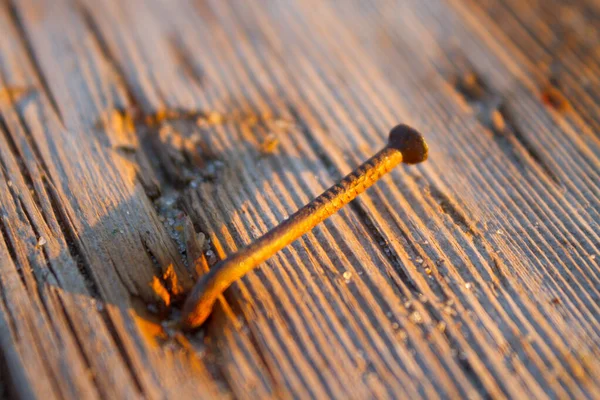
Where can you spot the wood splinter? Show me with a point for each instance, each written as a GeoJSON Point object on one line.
{"type": "Point", "coordinates": [405, 144]}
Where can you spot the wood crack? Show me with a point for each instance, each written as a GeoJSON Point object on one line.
{"type": "Point", "coordinates": [11, 249]}
{"type": "Point", "coordinates": [14, 150]}
{"type": "Point", "coordinates": [512, 128]}
{"type": "Point", "coordinates": [460, 219]}
{"type": "Point", "coordinates": [114, 334]}
{"type": "Point", "coordinates": [8, 388]}
{"type": "Point", "coordinates": [391, 254]}
{"type": "Point", "coordinates": [31, 142]}
{"type": "Point", "coordinates": [124, 281]}
{"type": "Point", "coordinates": [72, 241]}
{"type": "Point", "coordinates": [451, 209]}
{"type": "Point", "coordinates": [465, 365]}
{"type": "Point", "coordinates": [493, 113]}
{"type": "Point", "coordinates": [158, 268]}
{"type": "Point", "coordinates": [27, 45]}
{"type": "Point", "coordinates": [5, 304]}
{"type": "Point", "coordinates": [37, 234]}
{"type": "Point", "coordinates": [104, 47]}
{"type": "Point", "coordinates": [190, 68]}
{"type": "Point", "coordinates": [272, 382]}
{"type": "Point", "coordinates": [80, 347]}
{"type": "Point", "coordinates": [51, 373]}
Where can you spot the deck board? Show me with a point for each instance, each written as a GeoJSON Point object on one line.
{"type": "Point", "coordinates": [131, 131]}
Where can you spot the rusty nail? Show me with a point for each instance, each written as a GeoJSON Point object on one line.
{"type": "Point", "coordinates": [405, 144]}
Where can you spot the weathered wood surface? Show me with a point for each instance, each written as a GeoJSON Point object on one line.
{"type": "Point", "coordinates": [131, 131]}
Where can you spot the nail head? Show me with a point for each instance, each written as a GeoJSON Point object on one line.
{"type": "Point", "coordinates": [410, 143]}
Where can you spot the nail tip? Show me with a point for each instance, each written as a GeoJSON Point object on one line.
{"type": "Point", "coordinates": [189, 323]}
{"type": "Point", "coordinates": [410, 142]}
{"type": "Point", "coordinates": [196, 311]}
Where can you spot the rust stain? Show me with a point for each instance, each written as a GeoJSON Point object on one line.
{"type": "Point", "coordinates": [122, 125]}
{"type": "Point", "coordinates": [170, 277]}
{"type": "Point", "coordinates": [498, 122]}
{"type": "Point", "coordinates": [215, 118]}
{"type": "Point", "coordinates": [173, 114]}
{"type": "Point", "coordinates": [14, 94]}
{"type": "Point", "coordinates": [471, 86]}
{"type": "Point", "coordinates": [125, 119]}
{"type": "Point", "coordinates": [121, 122]}
{"type": "Point", "coordinates": [152, 331]}
{"type": "Point", "coordinates": [160, 290]}
{"type": "Point", "coordinates": [184, 343]}
{"type": "Point", "coordinates": [553, 97]}
{"type": "Point", "coordinates": [269, 144]}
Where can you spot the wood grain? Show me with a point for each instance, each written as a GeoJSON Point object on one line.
{"type": "Point", "coordinates": [473, 275]}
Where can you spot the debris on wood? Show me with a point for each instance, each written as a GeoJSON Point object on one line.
{"type": "Point", "coordinates": [177, 153]}
{"type": "Point", "coordinates": [170, 277]}
{"type": "Point", "coordinates": [173, 114]}
{"type": "Point", "coordinates": [471, 86]}
{"type": "Point", "coordinates": [553, 97]}
{"type": "Point", "coordinates": [347, 276]}
{"type": "Point", "coordinates": [121, 130]}
{"type": "Point", "coordinates": [214, 118]}
{"type": "Point", "coordinates": [269, 144]}
{"type": "Point", "coordinates": [152, 331]}
{"type": "Point", "coordinates": [498, 122]}
{"type": "Point", "coordinates": [14, 93]}
{"type": "Point", "coordinates": [210, 118]}
{"type": "Point", "coordinates": [196, 245]}
{"type": "Point", "coordinates": [172, 217]}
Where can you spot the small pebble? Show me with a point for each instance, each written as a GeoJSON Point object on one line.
{"type": "Point", "coordinates": [41, 242]}
{"type": "Point", "coordinates": [416, 317]}
{"type": "Point", "coordinates": [498, 122]}
{"type": "Point", "coordinates": [152, 308]}
{"type": "Point", "coordinates": [347, 275]}
{"type": "Point", "coordinates": [449, 310]}
{"type": "Point", "coordinates": [280, 123]}
{"type": "Point", "coordinates": [441, 326]}
{"type": "Point", "coordinates": [214, 118]}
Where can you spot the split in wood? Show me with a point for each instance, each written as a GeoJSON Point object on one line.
{"type": "Point", "coordinates": [404, 145]}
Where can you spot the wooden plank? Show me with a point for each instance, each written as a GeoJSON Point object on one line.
{"type": "Point", "coordinates": [79, 270]}
{"type": "Point", "coordinates": [473, 275]}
